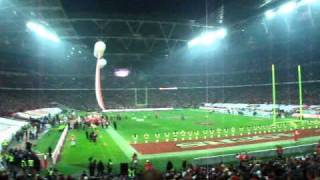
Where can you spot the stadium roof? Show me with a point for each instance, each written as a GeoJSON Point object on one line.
{"type": "Point", "coordinates": [132, 28]}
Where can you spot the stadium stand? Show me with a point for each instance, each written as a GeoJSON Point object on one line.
{"type": "Point", "coordinates": [222, 120]}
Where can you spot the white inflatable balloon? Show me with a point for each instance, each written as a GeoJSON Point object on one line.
{"type": "Point", "coordinates": [98, 52]}
{"type": "Point", "coordinates": [99, 48]}
{"type": "Point", "coordinates": [102, 63]}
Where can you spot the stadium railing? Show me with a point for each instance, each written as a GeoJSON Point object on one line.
{"type": "Point", "coordinates": [298, 149]}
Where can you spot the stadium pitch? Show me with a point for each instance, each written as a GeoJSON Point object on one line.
{"type": "Point", "coordinates": [181, 134]}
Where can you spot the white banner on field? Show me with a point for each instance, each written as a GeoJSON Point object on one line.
{"type": "Point", "coordinates": [59, 146]}
{"type": "Point", "coordinates": [313, 116]}
{"type": "Point", "coordinates": [262, 110]}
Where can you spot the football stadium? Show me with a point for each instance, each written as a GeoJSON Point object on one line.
{"type": "Point", "coordinates": [170, 89]}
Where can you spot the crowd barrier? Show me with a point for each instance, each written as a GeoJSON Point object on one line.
{"type": "Point", "coordinates": [259, 154]}
{"type": "Point", "coordinates": [58, 148]}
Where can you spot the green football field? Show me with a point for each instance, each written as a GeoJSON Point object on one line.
{"type": "Point", "coordinates": [114, 144]}
{"type": "Point", "coordinates": [194, 120]}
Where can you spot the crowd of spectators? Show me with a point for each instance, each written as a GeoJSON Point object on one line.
{"type": "Point", "coordinates": [245, 166]}
{"type": "Point", "coordinates": [155, 80]}
{"type": "Point", "coordinates": [302, 167]}
{"type": "Point", "coordinates": [17, 101]}
{"type": "Point", "coordinates": [246, 85]}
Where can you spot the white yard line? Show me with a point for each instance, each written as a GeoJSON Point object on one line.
{"type": "Point", "coordinates": [121, 142]}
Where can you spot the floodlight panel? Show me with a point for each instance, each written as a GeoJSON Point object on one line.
{"type": "Point", "coordinates": [287, 7]}
{"type": "Point", "coordinates": [269, 14]}
{"type": "Point", "coordinates": [208, 38]}
{"type": "Point", "coordinates": [42, 31]}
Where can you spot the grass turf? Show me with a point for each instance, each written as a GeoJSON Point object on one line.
{"type": "Point", "coordinates": [75, 159]}
{"type": "Point", "coordinates": [169, 121]}
{"type": "Point", "coordinates": [48, 139]}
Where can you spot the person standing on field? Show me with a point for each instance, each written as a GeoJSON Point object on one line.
{"type": "Point", "coordinates": [296, 135]}
{"type": "Point", "coordinates": [100, 168]}
{"type": "Point", "coordinates": [279, 151]}
{"type": "Point", "coordinates": [115, 126]}
{"type": "Point", "coordinates": [109, 166]}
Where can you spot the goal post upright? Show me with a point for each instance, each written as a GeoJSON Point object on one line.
{"type": "Point", "coordinates": [146, 96]}
{"type": "Point", "coordinates": [137, 100]}
{"type": "Point", "coordinates": [300, 92]}
{"type": "Point", "coordinates": [273, 94]}
{"type": "Point", "coordinates": [135, 96]}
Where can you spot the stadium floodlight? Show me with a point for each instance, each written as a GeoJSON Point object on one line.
{"type": "Point", "coordinates": [193, 42]}
{"type": "Point", "coordinates": [221, 33]}
{"type": "Point", "coordinates": [42, 31]}
{"type": "Point", "coordinates": [269, 14]}
{"type": "Point", "coordinates": [310, 1]}
{"type": "Point", "coordinates": [287, 7]}
{"type": "Point", "coordinates": [198, 41]}
{"type": "Point", "coordinates": [208, 38]}
{"type": "Point", "coordinates": [305, 2]}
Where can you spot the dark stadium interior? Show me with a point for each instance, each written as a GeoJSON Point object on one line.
{"type": "Point", "coordinates": [150, 39]}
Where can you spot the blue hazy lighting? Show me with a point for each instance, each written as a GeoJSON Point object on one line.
{"type": "Point", "coordinates": [208, 38]}
{"type": "Point", "coordinates": [269, 14]}
{"type": "Point", "coordinates": [287, 7]}
{"type": "Point", "coordinates": [42, 31]}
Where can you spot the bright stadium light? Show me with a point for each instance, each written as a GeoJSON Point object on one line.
{"type": "Point", "coordinates": [305, 2]}
{"type": "Point", "coordinates": [287, 7]}
{"type": "Point", "coordinates": [193, 42]}
{"type": "Point", "coordinates": [42, 31]}
{"type": "Point", "coordinates": [208, 38]}
{"type": "Point", "coordinates": [310, 1]}
{"type": "Point", "coordinates": [221, 33]}
{"type": "Point", "coordinates": [269, 14]}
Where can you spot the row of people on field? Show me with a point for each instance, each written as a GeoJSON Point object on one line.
{"type": "Point", "coordinates": [197, 134]}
